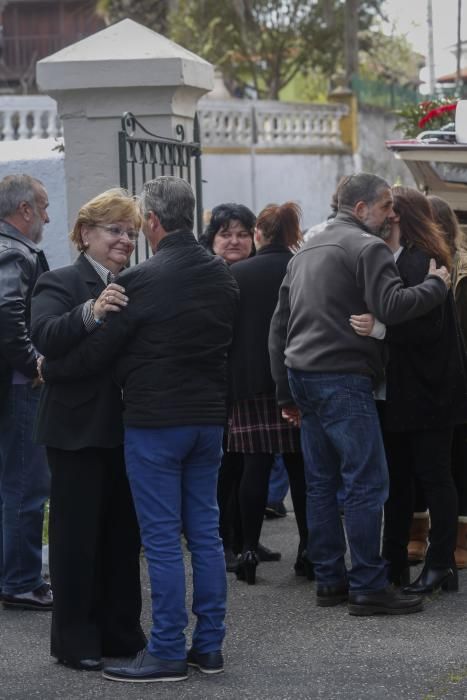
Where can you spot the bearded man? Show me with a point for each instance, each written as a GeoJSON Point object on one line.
{"type": "Point", "coordinates": [332, 371]}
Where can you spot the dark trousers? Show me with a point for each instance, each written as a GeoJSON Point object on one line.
{"type": "Point", "coordinates": [230, 475]}
{"type": "Point", "coordinates": [344, 454]}
{"type": "Point", "coordinates": [94, 549]}
{"type": "Point", "coordinates": [426, 456]}
{"type": "Point", "coordinates": [253, 495]}
{"type": "Point", "coordinates": [459, 466]}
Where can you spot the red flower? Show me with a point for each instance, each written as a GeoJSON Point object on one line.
{"type": "Point", "coordinates": [436, 113]}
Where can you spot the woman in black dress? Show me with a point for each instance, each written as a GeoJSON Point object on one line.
{"type": "Point", "coordinates": [256, 427]}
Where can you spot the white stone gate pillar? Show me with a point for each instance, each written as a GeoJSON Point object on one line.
{"type": "Point", "coordinates": [125, 67]}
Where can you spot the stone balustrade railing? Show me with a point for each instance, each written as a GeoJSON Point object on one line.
{"type": "Point", "coordinates": [225, 124]}
{"type": "Point", "coordinates": [269, 124]}
{"type": "Point", "coordinates": [28, 117]}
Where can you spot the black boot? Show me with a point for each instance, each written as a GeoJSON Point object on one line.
{"type": "Point", "coordinates": [303, 566]}
{"type": "Point", "coordinates": [246, 567]}
{"type": "Point", "coordinates": [431, 580]}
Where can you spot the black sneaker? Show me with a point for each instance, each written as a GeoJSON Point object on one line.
{"type": "Point", "coordinates": [275, 510]}
{"type": "Point", "coordinates": [211, 663]}
{"type": "Point", "coordinates": [146, 668]}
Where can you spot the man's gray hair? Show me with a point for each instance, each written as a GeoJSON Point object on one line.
{"type": "Point", "coordinates": [362, 187]}
{"type": "Point", "coordinates": [172, 200]}
{"type": "Point", "coordinates": [15, 189]}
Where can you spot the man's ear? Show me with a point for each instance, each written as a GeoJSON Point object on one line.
{"type": "Point", "coordinates": [25, 210]}
{"type": "Point", "coordinates": [360, 210]}
{"type": "Point", "coordinates": [153, 221]}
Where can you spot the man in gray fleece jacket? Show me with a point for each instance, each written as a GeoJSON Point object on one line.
{"type": "Point", "coordinates": [325, 373]}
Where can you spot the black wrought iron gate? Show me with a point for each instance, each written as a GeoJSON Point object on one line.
{"type": "Point", "coordinates": [144, 155]}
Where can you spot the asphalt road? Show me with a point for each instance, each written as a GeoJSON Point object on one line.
{"type": "Point", "coordinates": [279, 645]}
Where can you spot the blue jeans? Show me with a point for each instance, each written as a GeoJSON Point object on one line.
{"type": "Point", "coordinates": [173, 479]}
{"type": "Point", "coordinates": [24, 488]}
{"type": "Point", "coordinates": [278, 481]}
{"type": "Point", "coordinates": [342, 444]}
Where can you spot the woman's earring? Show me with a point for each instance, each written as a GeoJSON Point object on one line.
{"type": "Point", "coordinates": [86, 244]}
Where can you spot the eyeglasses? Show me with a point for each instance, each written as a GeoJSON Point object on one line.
{"type": "Point", "coordinates": [118, 232]}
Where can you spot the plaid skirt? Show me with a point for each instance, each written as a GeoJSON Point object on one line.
{"type": "Point", "coordinates": [256, 425]}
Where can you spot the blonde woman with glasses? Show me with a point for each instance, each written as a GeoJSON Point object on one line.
{"type": "Point", "coordinates": [93, 533]}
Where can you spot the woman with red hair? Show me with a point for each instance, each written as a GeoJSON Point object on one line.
{"type": "Point", "coordinates": [256, 427]}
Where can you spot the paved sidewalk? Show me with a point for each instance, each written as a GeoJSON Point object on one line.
{"type": "Point", "coordinates": [279, 646]}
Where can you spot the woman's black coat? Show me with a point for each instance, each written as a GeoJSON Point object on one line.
{"type": "Point", "coordinates": [427, 370]}
{"type": "Point", "coordinates": [259, 280]}
{"type": "Point", "coordinates": [86, 412]}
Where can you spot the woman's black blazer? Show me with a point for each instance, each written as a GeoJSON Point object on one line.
{"type": "Point", "coordinates": [259, 280]}
{"type": "Point", "coordinates": [85, 412]}
{"type": "Point", "coordinates": [427, 369]}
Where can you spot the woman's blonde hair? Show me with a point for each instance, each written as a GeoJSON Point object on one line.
{"type": "Point", "coordinates": [109, 206]}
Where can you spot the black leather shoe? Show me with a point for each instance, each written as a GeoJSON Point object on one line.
{"type": "Point", "coordinates": [83, 664]}
{"type": "Point", "coordinates": [303, 566]}
{"type": "Point", "coordinates": [39, 599]}
{"type": "Point", "coordinates": [266, 554]}
{"type": "Point", "coordinates": [275, 510]}
{"type": "Point", "coordinates": [432, 579]}
{"type": "Point", "coordinates": [327, 596]}
{"type": "Point", "coordinates": [211, 663]}
{"type": "Point", "coordinates": [146, 668]}
{"type": "Point", "coordinates": [231, 560]}
{"type": "Point", "coordinates": [385, 602]}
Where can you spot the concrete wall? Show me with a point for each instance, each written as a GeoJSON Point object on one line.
{"type": "Point", "coordinates": [375, 127]}
{"type": "Point", "coordinates": [308, 178]}
{"type": "Point", "coordinates": [250, 178]}
{"type": "Point", "coordinates": [259, 179]}
{"type": "Point", "coordinates": [37, 158]}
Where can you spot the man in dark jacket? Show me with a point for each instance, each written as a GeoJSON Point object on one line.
{"type": "Point", "coordinates": [331, 371]}
{"type": "Point", "coordinates": [172, 341]}
{"type": "Point", "coordinates": [24, 474]}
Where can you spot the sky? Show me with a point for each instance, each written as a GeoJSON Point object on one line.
{"type": "Point", "coordinates": [410, 18]}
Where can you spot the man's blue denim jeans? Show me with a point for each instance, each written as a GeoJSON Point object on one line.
{"type": "Point", "coordinates": [342, 444]}
{"type": "Point", "coordinates": [24, 488]}
{"type": "Point", "coordinates": [173, 478]}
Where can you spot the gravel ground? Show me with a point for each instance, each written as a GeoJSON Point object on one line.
{"type": "Point", "coordinates": [279, 645]}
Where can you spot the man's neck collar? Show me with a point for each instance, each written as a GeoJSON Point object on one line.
{"type": "Point", "coordinates": [346, 213]}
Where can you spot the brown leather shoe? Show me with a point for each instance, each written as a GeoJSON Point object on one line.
{"type": "Point", "coordinates": [39, 599]}
{"type": "Point", "coordinates": [418, 543]}
{"type": "Point", "coordinates": [460, 555]}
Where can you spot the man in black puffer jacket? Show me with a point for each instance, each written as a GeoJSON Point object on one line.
{"type": "Point", "coordinates": [172, 342]}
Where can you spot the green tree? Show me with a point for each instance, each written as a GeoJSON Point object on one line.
{"type": "Point", "coordinates": [263, 44]}
{"type": "Point", "coordinates": [151, 13]}
{"type": "Point", "coordinates": [389, 58]}
{"type": "Point", "coordinates": [258, 44]}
